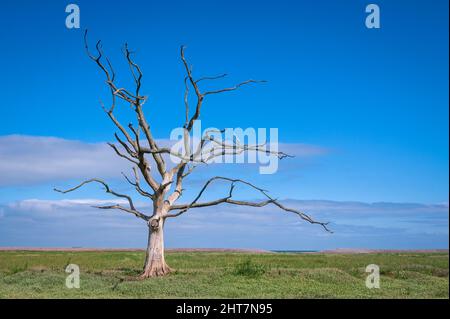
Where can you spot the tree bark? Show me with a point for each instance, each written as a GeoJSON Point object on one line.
{"type": "Point", "coordinates": [155, 264]}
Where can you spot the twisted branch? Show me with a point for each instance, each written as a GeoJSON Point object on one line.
{"type": "Point", "coordinates": [228, 199]}
{"type": "Point", "coordinates": [131, 210]}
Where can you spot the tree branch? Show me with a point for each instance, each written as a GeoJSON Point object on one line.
{"type": "Point", "coordinates": [194, 204]}
{"type": "Point", "coordinates": [211, 77]}
{"type": "Point", "coordinates": [132, 208]}
{"type": "Point", "coordinates": [237, 86]}
{"type": "Point", "coordinates": [114, 147]}
{"type": "Point", "coordinates": [136, 101]}
{"type": "Point", "coordinates": [137, 184]}
{"type": "Point", "coordinates": [131, 211]}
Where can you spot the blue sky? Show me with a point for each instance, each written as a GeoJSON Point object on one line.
{"type": "Point", "coordinates": [370, 107]}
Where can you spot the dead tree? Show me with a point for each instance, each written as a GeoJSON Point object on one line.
{"type": "Point", "coordinates": [164, 187]}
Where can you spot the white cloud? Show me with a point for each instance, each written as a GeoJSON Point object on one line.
{"type": "Point", "coordinates": [359, 225]}
{"type": "Point", "coordinates": [53, 208]}
{"type": "Point", "coordinates": [27, 160]}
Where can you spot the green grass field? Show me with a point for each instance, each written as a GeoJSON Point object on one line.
{"type": "Point", "coordinates": [106, 274]}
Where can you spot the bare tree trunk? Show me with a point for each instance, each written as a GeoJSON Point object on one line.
{"type": "Point", "coordinates": [155, 264]}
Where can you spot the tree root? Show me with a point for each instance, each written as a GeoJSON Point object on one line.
{"type": "Point", "coordinates": [156, 270]}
